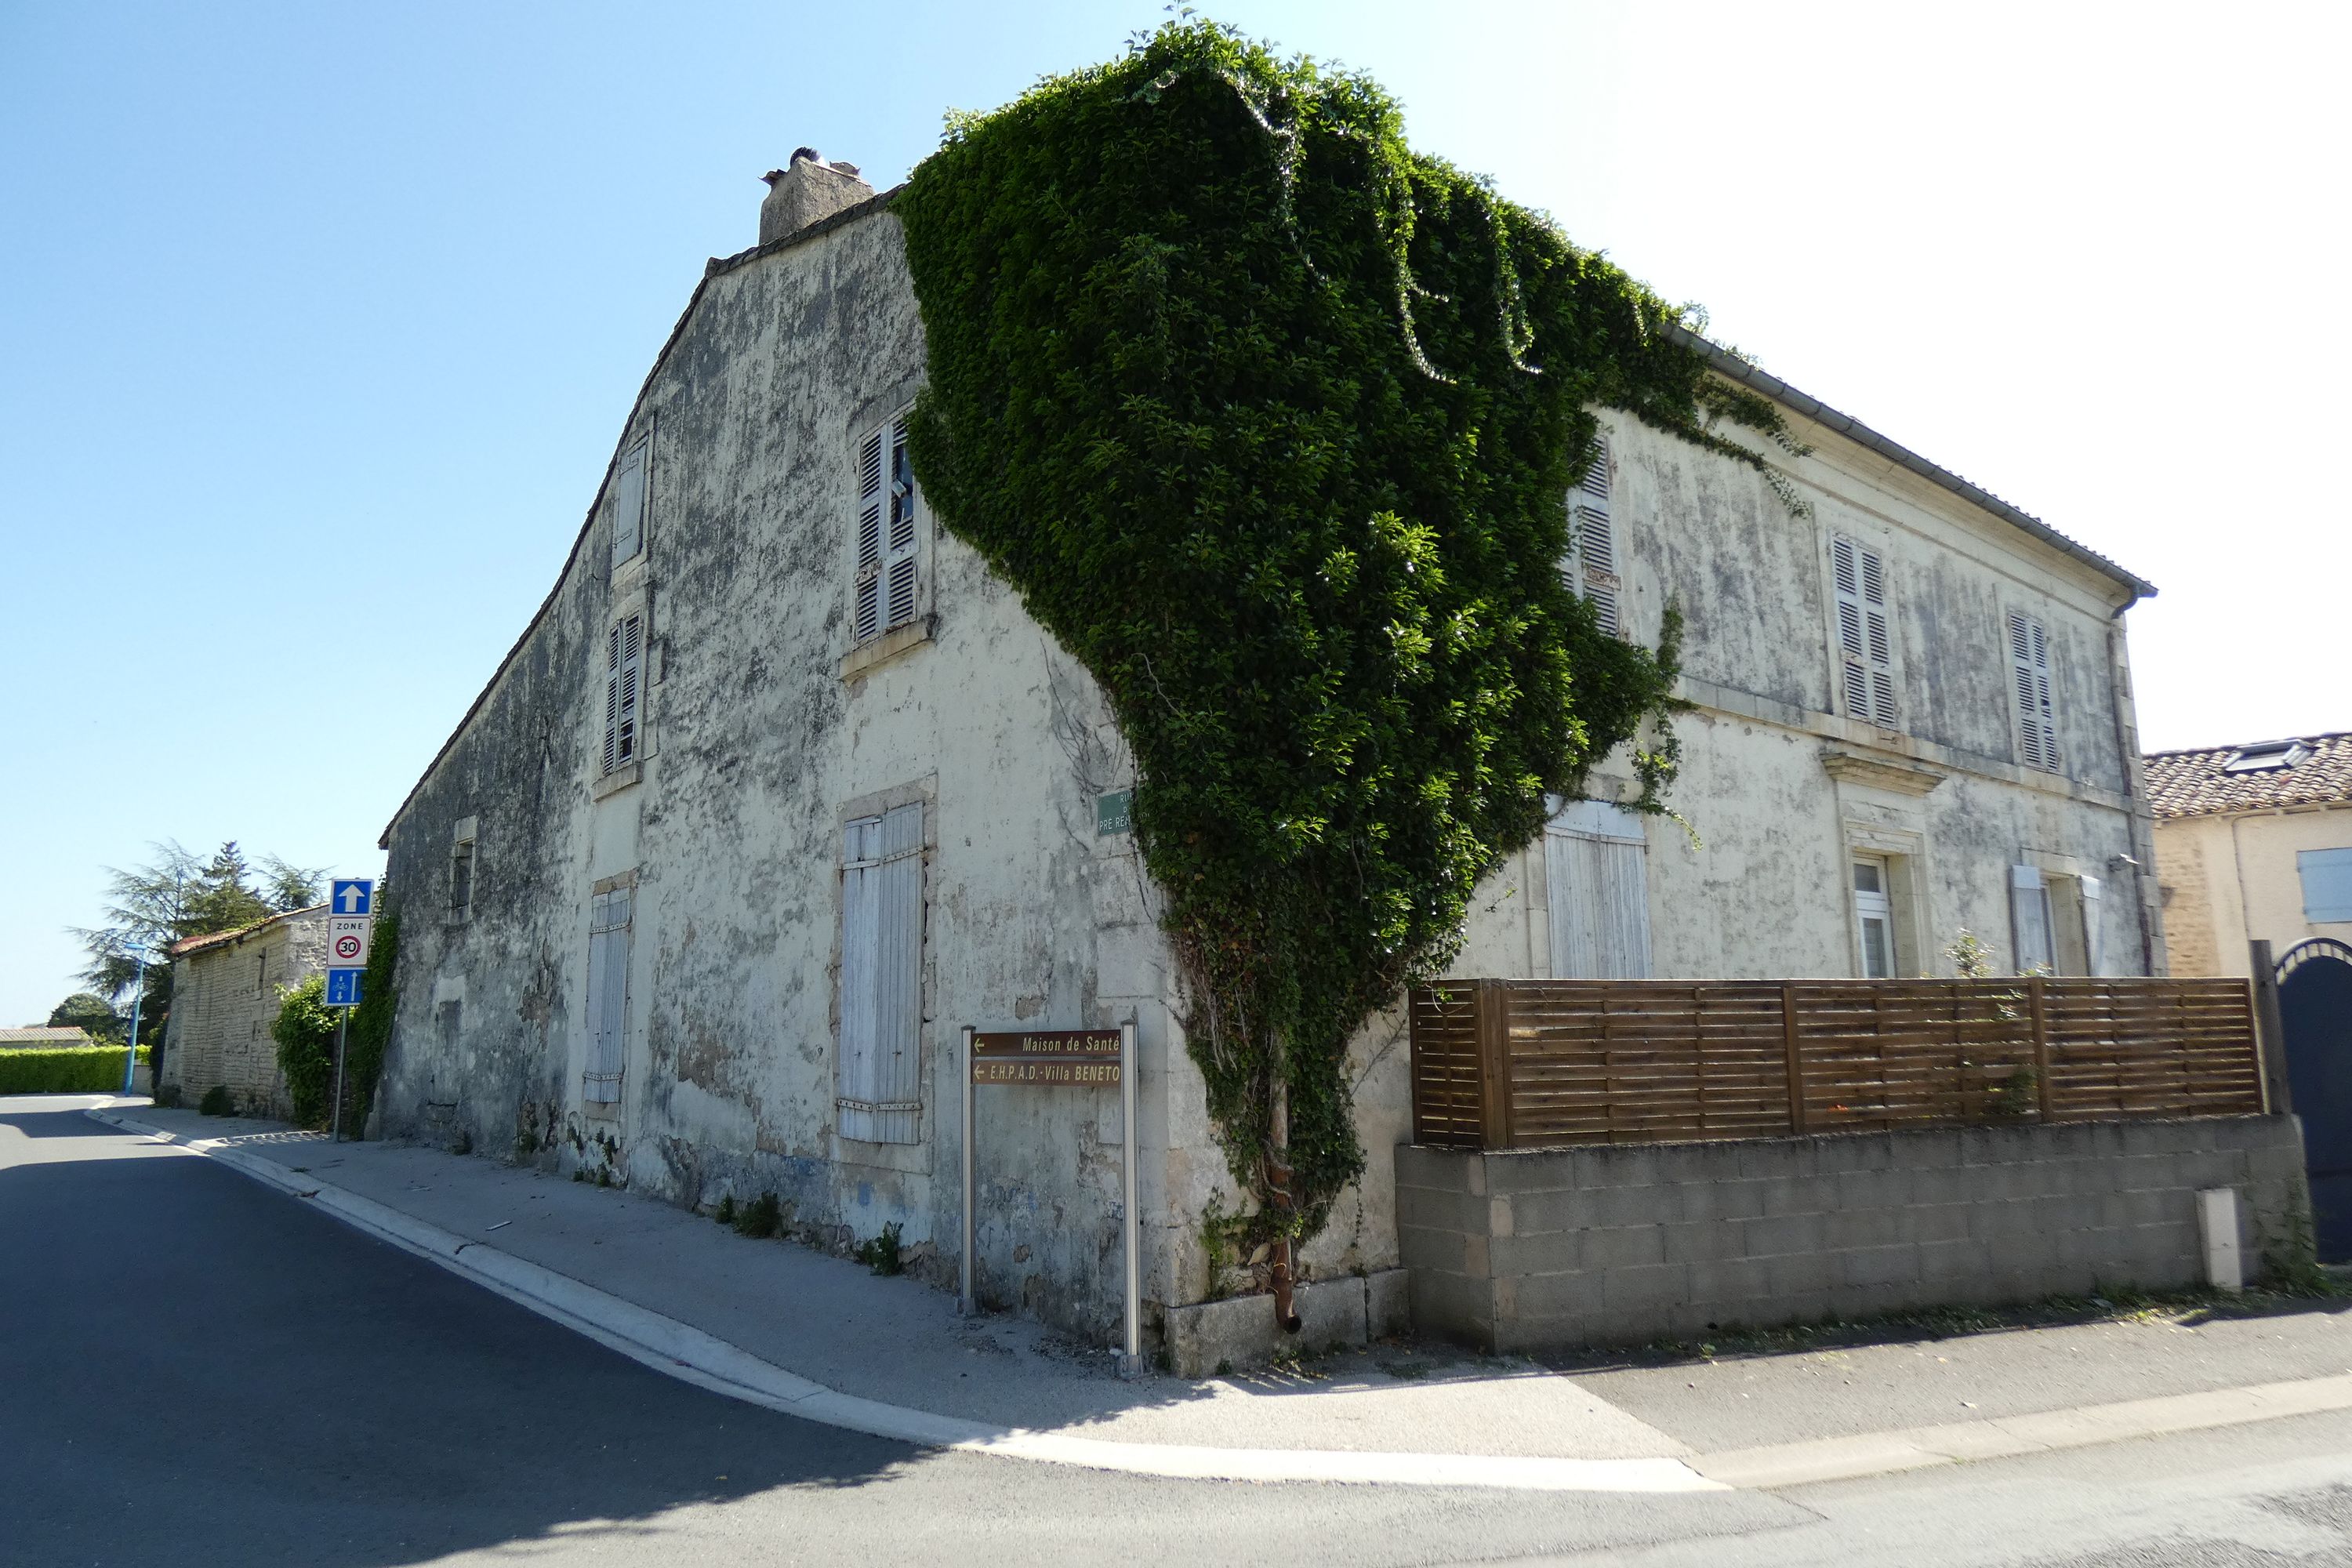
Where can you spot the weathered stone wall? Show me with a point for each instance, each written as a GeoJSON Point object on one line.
{"type": "Point", "coordinates": [765, 730]}
{"type": "Point", "coordinates": [761, 739]}
{"type": "Point", "coordinates": [1760, 885]}
{"type": "Point", "coordinates": [1628, 1244]}
{"type": "Point", "coordinates": [224, 1000]}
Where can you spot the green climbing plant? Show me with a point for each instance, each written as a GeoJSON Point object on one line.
{"type": "Point", "coordinates": [1270, 421]}
{"type": "Point", "coordinates": [305, 1033]}
{"type": "Point", "coordinates": [371, 1028]}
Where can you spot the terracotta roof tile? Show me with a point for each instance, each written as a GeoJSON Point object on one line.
{"type": "Point", "coordinates": [2192, 783]}
{"type": "Point", "coordinates": [187, 946]}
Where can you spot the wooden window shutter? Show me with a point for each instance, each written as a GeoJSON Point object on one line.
{"type": "Point", "coordinates": [611, 698]}
{"type": "Point", "coordinates": [2029, 658]}
{"type": "Point", "coordinates": [1865, 643]}
{"type": "Point", "coordinates": [629, 505]}
{"type": "Point", "coordinates": [608, 993]}
{"type": "Point", "coordinates": [1593, 542]}
{"type": "Point", "coordinates": [867, 600]}
{"type": "Point", "coordinates": [881, 1095]}
{"type": "Point", "coordinates": [628, 657]}
{"type": "Point", "coordinates": [2095, 932]}
{"type": "Point", "coordinates": [860, 937]}
{"type": "Point", "coordinates": [1596, 863]}
{"type": "Point", "coordinates": [899, 974]}
{"type": "Point", "coordinates": [905, 541]}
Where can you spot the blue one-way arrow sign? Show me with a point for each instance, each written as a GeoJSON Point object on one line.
{"type": "Point", "coordinates": [352, 896]}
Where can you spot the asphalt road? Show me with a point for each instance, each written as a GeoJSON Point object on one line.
{"type": "Point", "coordinates": [194, 1369]}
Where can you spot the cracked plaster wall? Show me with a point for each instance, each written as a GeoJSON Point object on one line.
{"type": "Point", "coordinates": [757, 747]}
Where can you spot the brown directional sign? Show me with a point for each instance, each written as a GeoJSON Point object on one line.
{"type": "Point", "coordinates": [1046, 1058]}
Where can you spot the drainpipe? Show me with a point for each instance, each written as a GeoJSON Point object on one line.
{"type": "Point", "coordinates": [1278, 1183]}
{"type": "Point", "coordinates": [2139, 818]}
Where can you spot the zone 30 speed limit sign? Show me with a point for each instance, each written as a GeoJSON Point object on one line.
{"type": "Point", "coordinates": [347, 942]}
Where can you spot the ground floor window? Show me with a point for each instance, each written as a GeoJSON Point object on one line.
{"type": "Point", "coordinates": [2056, 919]}
{"type": "Point", "coordinates": [1596, 861]}
{"type": "Point", "coordinates": [880, 1094]}
{"type": "Point", "coordinates": [1874, 912]}
{"type": "Point", "coordinates": [609, 921]}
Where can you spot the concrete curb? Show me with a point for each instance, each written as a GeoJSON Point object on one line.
{"type": "Point", "coordinates": [687, 1353]}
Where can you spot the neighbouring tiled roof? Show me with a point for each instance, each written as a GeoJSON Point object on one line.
{"type": "Point", "coordinates": [45, 1036]}
{"type": "Point", "coordinates": [199, 943]}
{"type": "Point", "coordinates": [2192, 783]}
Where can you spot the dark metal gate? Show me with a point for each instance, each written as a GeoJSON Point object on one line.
{"type": "Point", "coordinates": [2315, 992]}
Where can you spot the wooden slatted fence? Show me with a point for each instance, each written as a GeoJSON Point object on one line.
{"type": "Point", "coordinates": [1530, 1064]}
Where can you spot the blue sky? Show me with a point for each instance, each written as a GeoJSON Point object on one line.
{"type": "Point", "coordinates": [317, 324]}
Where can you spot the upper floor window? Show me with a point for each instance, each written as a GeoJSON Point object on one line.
{"type": "Point", "coordinates": [1865, 646]}
{"type": "Point", "coordinates": [1589, 567]}
{"type": "Point", "coordinates": [461, 878]}
{"type": "Point", "coordinates": [623, 682]}
{"type": "Point", "coordinates": [889, 543]}
{"type": "Point", "coordinates": [629, 505]}
{"type": "Point", "coordinates": [2326, 876]}
{"type": "Point", "coordinates": [2028, 667]}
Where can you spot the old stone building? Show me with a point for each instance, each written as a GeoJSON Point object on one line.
{"type": "Point", "coordinates": [225, 996]}
{"type": "Point", "coordinates": [2252, 842]}
{"type": "Point", "coordinates": [781, 786]}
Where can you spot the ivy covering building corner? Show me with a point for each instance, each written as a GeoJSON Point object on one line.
{"type": "Point", "coordinates": [1270, 420]}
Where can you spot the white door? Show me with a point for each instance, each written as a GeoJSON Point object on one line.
{"type": "Point", "coordinates": [1874, 915]}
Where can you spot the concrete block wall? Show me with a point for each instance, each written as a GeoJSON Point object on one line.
{"type": "Point", "coordinates": [1627, 1244]}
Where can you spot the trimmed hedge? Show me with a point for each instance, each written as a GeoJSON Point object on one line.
{"type": "Point", "coordinates": [77, 1069]}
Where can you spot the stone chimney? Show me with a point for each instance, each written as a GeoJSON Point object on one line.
{"type": "Point", "coordinates": [807, 189]}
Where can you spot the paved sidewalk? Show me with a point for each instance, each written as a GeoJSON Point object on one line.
{"type": "Point", "coordinates": [899, 1343]}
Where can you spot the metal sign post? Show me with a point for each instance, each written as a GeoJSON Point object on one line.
{"type": "Point", "coordinates": [351, 925]}
{"type": "Point", "coordinates": [1131, 1363]}
{"type": "Point", "coordinates": [1042, 1059]}
{"type": "Point", "coordinates": [965, 1304]}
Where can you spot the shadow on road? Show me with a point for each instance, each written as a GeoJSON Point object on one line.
{"type": "Point", "coordinates": [64, 1123]}
{"type": "Point", "coordinates": [197, 1369]}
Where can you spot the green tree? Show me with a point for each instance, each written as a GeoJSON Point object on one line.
{"type": "Point", "coordinates": [222, 897]}
{"type": "Point", "coordinates": [89, 1013]}
{"type": "Point", "coordinates": [286, 888]}
{"type": "Point", "coordinates": [174, 896]}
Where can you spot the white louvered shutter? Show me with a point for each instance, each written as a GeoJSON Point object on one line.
{"type": "Point", "coordinates": [2029, 661]}
{"type": "Point", "coordinates": [2095, 928]}
{"type": "Point", "coordinates": [608, 993]}
{"type": "Point", "coordinates": [888, 584]}
{"type": "Point", "coordinates": [1865, 643]}
{"type": "Point", "coordinates": [625, 653]}
{"type": "Point", "coordinates": [612, 700]}
{"type": "Point", "coordinates": [1596, 861]}
{"type": "Point", "coordinates": [1591, 565]}
{"type": "Point", "coordinates": [903, 560]}
{"type": "Point", "coordinates": [867, 594]}
{"type": "Point", "coordinates": [629, 505]}
{"type": "Point", "coordinates": [2029, 909]}
{"type": "Point", "coordinates": [881, 977]}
